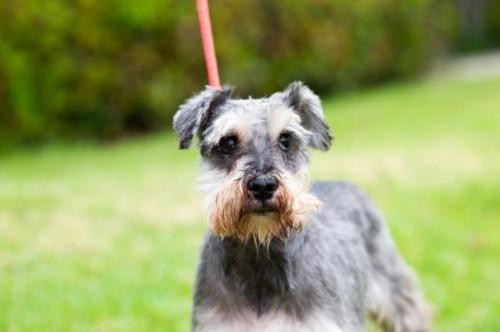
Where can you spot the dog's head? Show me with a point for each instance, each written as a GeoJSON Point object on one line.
{"type": "Point", "coordinates": [254, 154]}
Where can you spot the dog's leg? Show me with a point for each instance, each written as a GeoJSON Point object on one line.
{"type": "Point", "coordinates": [394, 298]}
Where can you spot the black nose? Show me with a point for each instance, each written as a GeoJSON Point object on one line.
{"type": "Point", "coordinates": [263, 187]}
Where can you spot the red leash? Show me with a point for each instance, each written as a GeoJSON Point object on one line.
{"type": "Point", "coordinates": [208, 43]}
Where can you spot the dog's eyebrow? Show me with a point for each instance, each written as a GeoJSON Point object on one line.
{"type": "Point", "coordinates": [279, 118]}
{"type": "Point", "coordinates": [294, 127]}
{"type": "Point", "coordinates": [237, 121]}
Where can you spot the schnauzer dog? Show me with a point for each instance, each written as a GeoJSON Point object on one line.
{"type": "Point", "coordinates": [282, 255]}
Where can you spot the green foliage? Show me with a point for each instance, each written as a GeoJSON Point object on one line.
{"type": "Point", "coordinates": [478, 26]}
{"type": "Point", "coordinates": [94, 68]}
{"type": "Point", "coordinates": [493, 23]}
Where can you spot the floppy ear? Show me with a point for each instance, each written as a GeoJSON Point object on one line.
{"type": "Point", "coordinates": [196, 113]}
{"type": "Point", "coordinates": [308, 105]}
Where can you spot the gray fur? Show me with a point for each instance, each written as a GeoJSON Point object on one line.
{"type": "Point", "coordinates": [308, 105]}
{"type": "Point", "coordinates": [334, 263]}
{"type": "Point", "coordinates": [197, 112]}
{"type": "Point", "coordinates": [261, 147]}
{"type": "Point", "coordinates": [329, 275]}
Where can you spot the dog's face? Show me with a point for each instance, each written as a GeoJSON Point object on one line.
{"type": "Point", "coordinates": [255, 159]}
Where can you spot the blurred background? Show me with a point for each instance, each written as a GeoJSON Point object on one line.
{"type": "Point", "coordinates": [100, 220]}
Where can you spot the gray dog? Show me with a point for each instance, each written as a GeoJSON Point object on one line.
{"type": "Point", "coordinates": [283, 255]}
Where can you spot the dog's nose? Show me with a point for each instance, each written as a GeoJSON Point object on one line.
{"type": "Point", "coordinates": [263, 187]}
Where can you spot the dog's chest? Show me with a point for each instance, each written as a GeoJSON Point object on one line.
{"type": "Point", "coordinates": [271, 290]}
{"type": "Point", "coordinates": [260, 280]}
{"type": "Point", "coordinates": [276, 321]}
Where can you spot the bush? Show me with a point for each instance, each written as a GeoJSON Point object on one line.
{"type": "Point", "coordinates": [103, 69]}
{"type": "Point", "coordinates": [479, 25]}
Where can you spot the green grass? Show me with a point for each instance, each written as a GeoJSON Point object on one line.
{"type": "Point", "coordinates": [105, 238]}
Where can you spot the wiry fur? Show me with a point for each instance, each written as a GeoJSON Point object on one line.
{"type": "Point", "coordinates": [321, 258]}
{"type": "Point", "coordinates": [230, 213]}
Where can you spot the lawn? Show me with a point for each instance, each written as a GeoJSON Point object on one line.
{"type": "Point", "coordinates": [105, 238]}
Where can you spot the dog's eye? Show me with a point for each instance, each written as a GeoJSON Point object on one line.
{"type": "Point", "coordinates": [228, 144]}
{"type": "Point", "coordinates": [285, 140]}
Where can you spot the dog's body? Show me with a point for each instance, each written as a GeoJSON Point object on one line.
{"type": "Point", "coordinates": [280, 257]}
{"type": "Point", "coordinates": [328, 277]}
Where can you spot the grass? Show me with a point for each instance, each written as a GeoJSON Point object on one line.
{"type": "Point", "coordinates": [105, 238]}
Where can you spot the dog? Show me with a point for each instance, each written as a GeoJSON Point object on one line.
{"type": "Point", "coordinates": [281, 254]}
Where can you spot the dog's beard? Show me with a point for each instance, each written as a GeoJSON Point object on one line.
{"type": "Point", "coordinates": [233, 212]}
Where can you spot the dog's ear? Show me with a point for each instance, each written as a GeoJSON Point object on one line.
{"type": "Point", "coordinates": [308, 105]}
{"type": "Point", "coordinates": [197, 112]}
